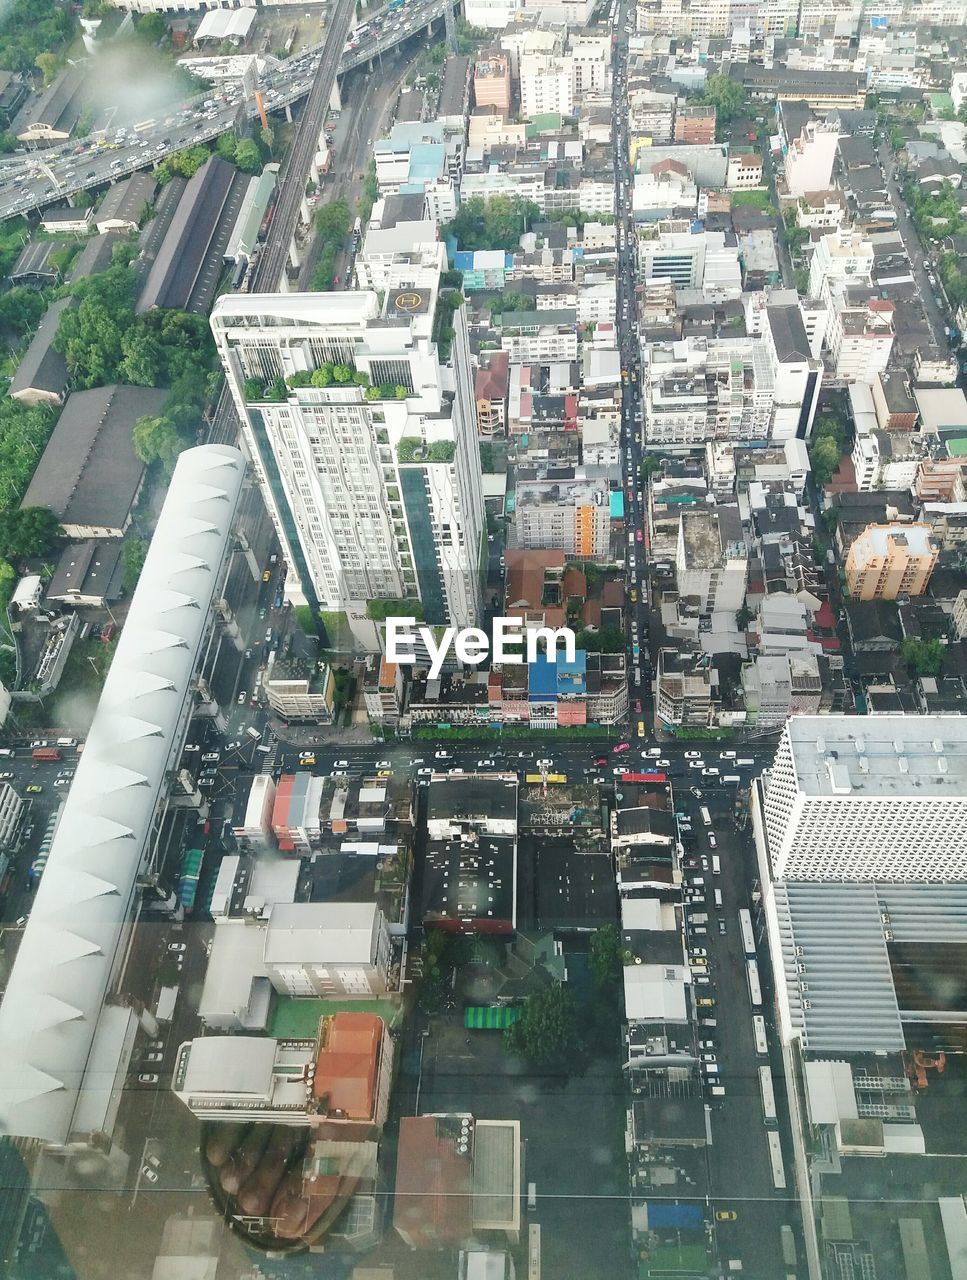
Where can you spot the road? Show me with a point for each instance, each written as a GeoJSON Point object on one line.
{"type": "Point", "coordinates": [51, 174]}
{"type": "Point", "coordinates": [911, 242]}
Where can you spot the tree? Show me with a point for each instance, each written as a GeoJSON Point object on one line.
{"type": "Point", "coordinates": [497, 223]}
{"type": "Point", "coordinates": [727, 97]}
{"type": "Point", "coordinates": [824, 457]}
{"type": "Point", "coordinates": [158, 440]}
{"type": "Point", "coordinates": [133, 554]}
{"type": "Point", "coordinates": [923, 657]}
{"type": "Point", "coordinates": [49, 64]}
{"type": "Point", "coordinates": [486, 456]}
{"type": "Point", "coordinates": [649, 465]}
{"type": "Point", "coordinates": [547, 1033]}
{"type": "Point", "coordinates": [27, 531]}
{"type": "Point", "coordinates": [247, 156]}
{"type": "Point", "coordinates": [605, 958]}
{"type": "Point", "coordinates": [225, 145]}
{"type": "Point", "coordinates": [21, 310]}
{"type": "Point", "coordinates": [151, 28]}
{"type": "Point", "coordinates": [743, 616]}
{"type": "Point", "coordinates": [142, 359]}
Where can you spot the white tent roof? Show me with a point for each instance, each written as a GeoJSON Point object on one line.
{"type": "Point", "coordinates": [70, 946]}
{"type": "Point", "coordinates": [222, 24]}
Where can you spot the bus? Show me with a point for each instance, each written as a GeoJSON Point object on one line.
{"type": "Point", "coordinates": [788, 1241]}
{"type": "Point", "coordinates": [644, 777]}
{"type": "Point", "coordinates": [46, 753]}
{"type": "Point", "coordinates": [534, 1251]}
{"type": "Point", "coordinates": [768, 1095]}
{"type": "Point", "coordinates": [775, 1160]}
{"type": "Point", "coordinates": [755, 991]}
{"type": "Point", "coordinates": [761, 1043]}
{"type": "Point", "coordinates": [748, 937]}
{"type": "Point", "coordinates": [559, 779]}
{"type": "Point", "coordinates": [705, 816]}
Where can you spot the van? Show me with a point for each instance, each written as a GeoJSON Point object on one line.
{"type": "Point", "coordinates": [252, 733]}
{"type": "Point", "coordinates": [6, 751]}
{"type": "Point", "coordinates": [731, 779]}
{"type": "Point", "coordinates": [717, 1091]}
{"type": "Point", "coordinates": [708, 1022]}
{"type": "Point", "coordinates": [749, 761]}
{"type": "Point", "coordinates": [710, 1068]}
{"type": "Point", "coordinates": [67, 742]}
{"type": "Point", "coordinates": [718, 899]}
{"type": "Point", "coordinates": [696, 880]}
{"type": "Point", "coordinates": [531, 1196]}
{"type": "Point", "coordinates": [716, 865]}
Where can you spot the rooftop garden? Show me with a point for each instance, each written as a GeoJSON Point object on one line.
{"type": "Point", "coordinates": [413, 449]}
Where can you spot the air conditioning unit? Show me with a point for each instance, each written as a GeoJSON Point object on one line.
{"type": "Point", "coordinates": [800, 951]}
{"type": "Point", "coordinates": [801, 968]}
{"type": "Point", "coordinates": [806, 1004]}
{"type": "Point", "coordinates": [888, 934]}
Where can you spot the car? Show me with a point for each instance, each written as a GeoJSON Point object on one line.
{"type": "Point", "coordinates": [696, 764]}
{"type": "Point", "coordinates": [664, 764]}
{"type": "Point", "coordinates": [706, 1044]}
{"type": "Point", "coordinates": [242, 698]}
{"type": "Point", "coordinates": [439, 755]}
{"type": "Point", "coordinates": [725, 1215]}
{"type": "Point", "coordinates": [619, 747]}
{"type": "Point", "coordinates": [40, 742]}
{"type": "Point", "coordinates": [710, 772]}
{"type": "Point", "coordinates": [341, 764]}
{"type": "Point", "coordinates": [154, 1057]}
{"type": "Point", "coordinates": [62, 782]}
{"type": "Point", "coordinates": [34, 789]}
{"type": "Point", "coordinates": [544, 761]}
{"type": "Point", "coordinates": [638, 534]}
{"type": "Point", "coordinates": [600, 761]}
{"type": "Point", "coordinates": [148, 1173]}
{"type": "Point", "coordinates": [267, 576]}
{"type": "Point", "coordinates": [726, 755]}
{"type": "Point", "coordinates": [652, 753]}
{"type": "Point", "coordinates": [722, 928]}
{"type": "Point", "coordinates": [525, 755]}
{"type": "Point", "coordinates": [486, 764]}
{"type": "Point", "coordinates": [712, 842]}
{"type": "Point", "coordinates": [697, 962]}
{"type": "Point", "coordinates": [697, 951]}
{"type": "Point", "coordinates": [696, 793]}
{"type": "Point", "coordinates": [424, 773]}
{"type": "Point", "coordinates": [148, 1079]}
{"type": "Point", "coordinates": [383, 764]}
{"type": "Point", "coordinates": [262, 612]}
{"type": "Point", "coordinates": [693, 755]}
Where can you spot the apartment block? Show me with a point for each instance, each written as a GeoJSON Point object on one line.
{"type": "Point", "coordinates": [868, 798]}
{"type": "Point", "coordinates": [887, 561]}
{"type": "Point", "coordinates": [695, 125]}
{"type": "Point", "coordinates": [810, 149]}
{"type": "Point", "coordinates": [573, 516]}
{"type": "Point", "coordinates": [491, 82]}
{"type": "Point", "coordinates": [362, 431]}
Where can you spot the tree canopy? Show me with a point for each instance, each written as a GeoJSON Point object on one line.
{"type": "Point", "coordinates": [727, 96]}
{"type": "Point", "coordinates": [923, 657]}
{"type": "Point", "coordinates": [547, 1033]}
{"type": "Point", "coordinates": [31, 28]}
{"type": "Point", "coordinates": [497, 223]}
{"type": "Point", "coordinates": [30, 531]}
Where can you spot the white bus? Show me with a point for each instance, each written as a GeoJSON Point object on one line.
{"type": "Point", "coordinates": [761, 1043]}
{"type": "Point", "coordinates": [775, 1159]}
{"type": "Point", "coordinates": [705, 816]}
{"type": "Point", "coordinates": [755, 991]}
{"type": "Point", "coordinates": [748, 937]}
{"type": "Point", "coordinates": [768, 1095]}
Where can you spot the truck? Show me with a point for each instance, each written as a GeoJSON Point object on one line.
{"type": "Point", "coordinates": [357, 228]}
{"type": "Point", "coordinates": [167, 998]}
{"type": "Point", "coordinates": [45, 753]}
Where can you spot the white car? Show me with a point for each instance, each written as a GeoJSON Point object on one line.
{"type": "Point", "coordinates": [712, 842]}
{"type": "Point", "coordinates": [693, 755]}
{"type": "Point", "coordinates": [441, 755]}
{"type": "Point", "coordinates": [486, 764]}
{"type": "Point", "coordinates": [697, 951]}
{"type": "Point", "coordinates": [652, 753]}
{"type": "Point", "coordinates": [341, 764]}
{"type": "Point", "coordinates": [543, 762]}
{"type": "Point", "coordinates": [710, 773]}
{"type": "Point", "coordinates": [620, 771]}
{"type": "Point", "coordinates": [148, 1174]}
{"type": "Point", "coordinates": [696, 764]}
{"type": "Point", "coordinates": [424, 773]}
{"type": "Point", "coordinates": [177, 946]}
{"type": "Point", "coordinates": [383, 764]}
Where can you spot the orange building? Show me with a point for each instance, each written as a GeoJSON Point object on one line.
{"type": "Point", "coordinates": [887, 561]}
{"type": "Point", "coordinates": [491, 82]}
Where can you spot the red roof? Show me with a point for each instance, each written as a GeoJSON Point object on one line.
{"type": "Point", "coordinates": [825, 618]}
{"type": "Point", "coordinates": [347, 1064]}
{"type": "Point", "coordinates": [431, 1207]}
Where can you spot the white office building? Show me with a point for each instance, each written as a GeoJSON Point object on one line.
{"type": "Point", "coordinates": [871, 798]}
{"type": "Point", "coordinates": [362, 432]}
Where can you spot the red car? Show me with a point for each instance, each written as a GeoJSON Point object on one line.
{"type": "Point", "coordinates": [601, 760]}
{"type": "Point", "coordinates": [638, 536]}
{"type": "Point", "coordinates": [621, 746]}
{"type": "Point", "coordinates": [637, 705]}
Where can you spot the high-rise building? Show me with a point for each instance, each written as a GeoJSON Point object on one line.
{"type": "Point", "coordinates": [887, 561]}
{"type": "Point", "coordinates": [873, 798]}
{"type": "Point", "coordinates": [357, 410]}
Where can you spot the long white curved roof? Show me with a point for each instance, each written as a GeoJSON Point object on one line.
{"type": "Point", "coordinates": [69, 947]}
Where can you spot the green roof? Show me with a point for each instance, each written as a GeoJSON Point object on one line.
{"type": "Point", "coordinates": [299, 1019]}
{"type": "Point", "coordinates": [489, 1017]}
{"type": "Point", "coordinates": [550, 122]}
{"type": "Point", "coordinates": [957, 448]}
